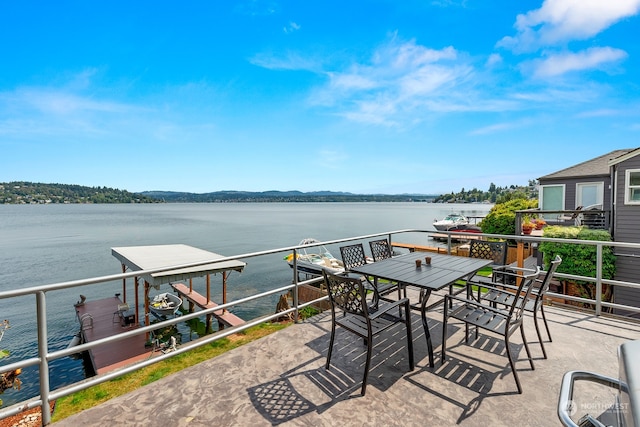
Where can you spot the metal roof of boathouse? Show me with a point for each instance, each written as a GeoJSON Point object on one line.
{"type": "Point", "coordinates": [154, 257]}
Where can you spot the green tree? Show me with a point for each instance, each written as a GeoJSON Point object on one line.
{"type": "Point", "coordinates": [501, 219]}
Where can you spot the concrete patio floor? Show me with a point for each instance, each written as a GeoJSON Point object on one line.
{"type": "Point", "coordinates": [281, 379]}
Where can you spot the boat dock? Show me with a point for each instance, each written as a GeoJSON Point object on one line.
{"type": "Point", "coordinates": [100, 319]}
{"type": "Point", "coordinates": [224, 317]}
{"type": "Point", "coordinates": [454, 237]}
{"type": "Point", "coordinates": [422, 248]}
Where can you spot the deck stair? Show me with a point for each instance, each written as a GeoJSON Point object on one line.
{"type": "Point", "coordinates": [224, 317]}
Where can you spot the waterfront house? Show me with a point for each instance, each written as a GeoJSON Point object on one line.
{"type": "Point", "coordinates": [606, 192]}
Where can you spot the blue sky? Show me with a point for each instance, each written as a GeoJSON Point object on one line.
{"type": "Point", "coordinates": [363, 96]}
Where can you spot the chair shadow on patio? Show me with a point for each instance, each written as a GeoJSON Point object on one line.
{"type": "Point", "coordinates": [310, 387]}
{"type": "Point", "coordinates": [280, 400]}
{"type": "Point", "coordinates": [479, 369]}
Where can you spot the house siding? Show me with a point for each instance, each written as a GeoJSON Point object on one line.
{"type": "Point", "coordinates": [626, 228]}
{"type": "Point", "coordinates": [570, 189]}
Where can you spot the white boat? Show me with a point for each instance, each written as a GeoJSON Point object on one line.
{"type": "Point", "coordinates": [165, 304]}
{"type": "Point", "coordinates": [451, 220]}
{"type": "Point", "coordinates": [314, 260]}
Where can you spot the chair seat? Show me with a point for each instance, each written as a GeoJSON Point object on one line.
{"type": "Point", "coordinates": [506, 298]}
{"type": "Point", "coordinates": [476, 316]}
{"type": "Point", "coordinates": [358, 324]}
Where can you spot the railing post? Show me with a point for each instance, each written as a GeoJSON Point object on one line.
{"type": "Point", "coordinates": [296, 316]}
{"type": "Point", "coordinates": [41, 308]}
{"type": "Point", "coordinates": [598, 279]}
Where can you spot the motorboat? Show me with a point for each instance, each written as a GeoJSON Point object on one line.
{"type": "Point", "coordinates": [315, 259]}
{"type": "Point", "coordinates": [165, 304]}
{"type": "Point", "coordinates": [465, 228]}
{"type": "Point", "coordinates": [451, 220]}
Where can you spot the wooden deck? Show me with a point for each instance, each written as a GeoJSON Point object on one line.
{"type": "Point", "coordinates": [97, 321]}
{"type": "Point", "coordinates": [421, 248]}
{"type": "Point", "coordinates": [225, 317]}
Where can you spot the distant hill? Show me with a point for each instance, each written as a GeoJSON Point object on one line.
{"type": "Point", "coordinates": [281, 196]}
{"type": "Point", "coordinates": [22, 192]}
{"type": "Point", "coordinates": [19, 192]}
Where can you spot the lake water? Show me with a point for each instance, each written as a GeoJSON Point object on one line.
{"type": "Point", "coordinates": [46, 244]}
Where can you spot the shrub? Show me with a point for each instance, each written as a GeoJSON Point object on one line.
{"type": "Point", "coordinates": [501, 219]}
{"type": "Point", "coordinates": [580, 260]}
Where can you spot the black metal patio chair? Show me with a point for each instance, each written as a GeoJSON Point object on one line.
{"type": "Point", "coordinates": [380, 250]}
{"type": "Point", "coordinates": [504, 295]}
{"type": "Point", "coordinates": [354, 256]}
{"type": "Point", "coordinates": [348, 294]}
{"type": "Point", "coordinates": [485, 315]}
{"type": "Point", "coordinates": [495, 251]}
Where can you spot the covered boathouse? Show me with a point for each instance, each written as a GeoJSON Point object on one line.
{"type": "Point", "coordinates": [103, 314]}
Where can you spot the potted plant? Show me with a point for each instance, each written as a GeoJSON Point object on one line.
{"type": "Point", "coordinates": [527, 224]}
{"type": "Point", "coordinates": [540, 223]}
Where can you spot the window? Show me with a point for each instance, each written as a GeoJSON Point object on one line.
{"type": "Point", "coordinates": [632, 187]}
{"type": "Point", "coordinates": [551, 198]}
{"type": "Point", "coordinates": [589, 194]}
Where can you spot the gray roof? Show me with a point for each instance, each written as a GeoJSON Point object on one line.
{"type": "Point", "coordinates": [138, 258]}
{"type": "Point", "coordinates": [594, 167]}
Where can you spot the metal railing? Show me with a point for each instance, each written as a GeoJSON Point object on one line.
{"type": "Point", "coordinates": [45, 356]}
{"type": "Point", "coordinates": [597, 219]}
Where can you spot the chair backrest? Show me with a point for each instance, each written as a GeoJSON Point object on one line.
{"type": "Point", "coordinates": [576, 213]}
{"type": "Point", "coordinates": [346, 293]}
{"type": "Point", "coordinates": [543, 287]}
{"type": "Point", "coordinates": [496, 251]}
{"type": "Point", "coordinates": [526, 285]}
{"type": "Point", "coordinates": [380, 249]}
{"type": "Point", "coordinates": [353, 256]}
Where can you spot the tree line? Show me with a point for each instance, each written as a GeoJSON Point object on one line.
{"type": "Point", "coordinates": [19, 192]}
{"type": "Point", "coordinates": [494, 194]}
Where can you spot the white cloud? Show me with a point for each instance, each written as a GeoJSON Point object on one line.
{"type": "Point", "coordinates": [288, 61]}
{"type": "Point", "coordinates": [495, 128]}
{"type": "Point", "coordinates": [291, 28]}
{"type": "Point", "coordinates": [494, 59]}
{"type": "Point", "coordinates": [65, 103]}
{"type": "Point", "coordinates": [594, 58]}
{"type": "Point", "coordinates": [603, 112]}
{"type": "Point", "coordinates": [402, 78]}
{"type": "Point", "coordinates": [560, 21]}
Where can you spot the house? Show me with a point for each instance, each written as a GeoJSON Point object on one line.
{"type": "Point", "coordinates": [610, 184]}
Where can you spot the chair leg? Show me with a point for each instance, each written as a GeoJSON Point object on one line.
{"type": "Point", "coordinates": [407, 323]}
{"type": "Point", "coordinates": [376, 298]}
{"type": "Point", "coordinates": [513, 366]}
{"type": "Point", "coordinates": [333, 335]}
{"type": "Point", "coordinates": [535, 321]}
{"type": "Point", "coordinates": [544, 318]}
{"type": "Point", "coordinates": [444, 335]}
{"type": "Point", "coordinates": [366, 365]}
{"type": "Point", "coordinates": [526, 346]}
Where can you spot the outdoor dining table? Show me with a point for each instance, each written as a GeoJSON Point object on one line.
{"type": "Point", "coordinates": [441, 272]}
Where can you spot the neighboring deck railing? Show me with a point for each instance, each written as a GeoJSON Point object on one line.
{"type": "Point", "coordinates": [597, 219]}
{"type": "Point", "coordinates": [45, 356]}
